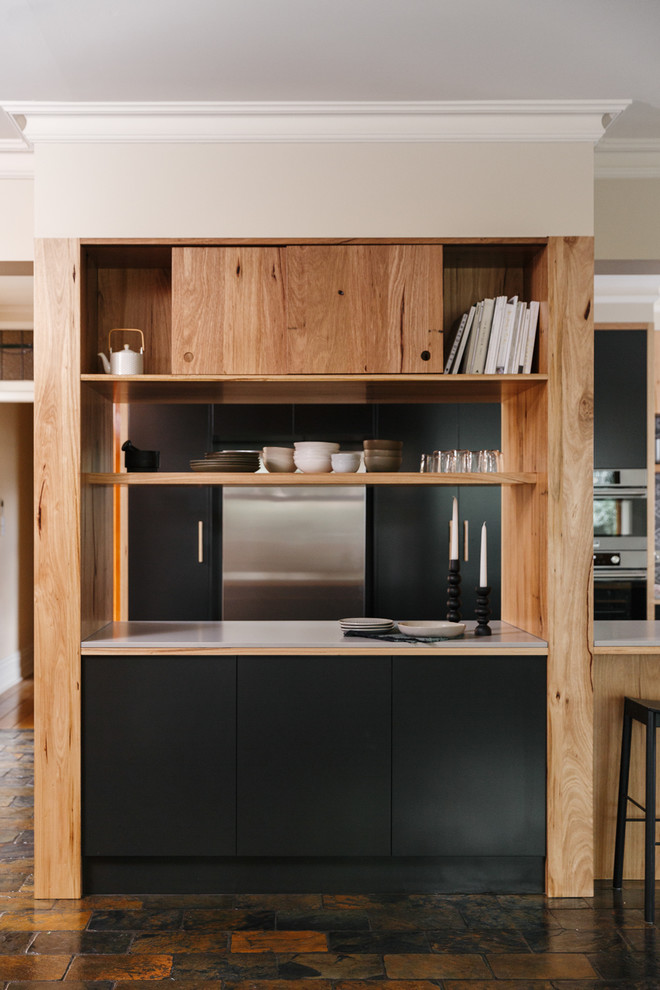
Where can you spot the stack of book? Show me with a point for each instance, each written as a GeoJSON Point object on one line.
{"type": "Point", "coordinates": [496, 337]}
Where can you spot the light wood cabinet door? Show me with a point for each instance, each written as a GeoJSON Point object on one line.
{"type": "Point", "coordinates": [228, 311]}
{"type": "Point", "coordinates": [364, 308]}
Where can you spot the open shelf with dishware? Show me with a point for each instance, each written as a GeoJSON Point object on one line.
{"type": "Point", "coordinates": [194, 301]}
{"type": "Point", "coordinates": [332, 478]}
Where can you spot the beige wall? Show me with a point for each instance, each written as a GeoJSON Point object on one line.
{"type": "Point", "coordinates": [16, 219]}
{"type": "Point", "coordinates": [16, 575]}
{"type": "Point", "coordinates": [627, 213]}
{"type": "Point", "coordinates": [286, 190]}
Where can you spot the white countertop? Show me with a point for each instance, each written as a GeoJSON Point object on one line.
{"type": "Point", "coordinates": [295, 636]}
{"type": "Point", "coordinates": [631, 633]}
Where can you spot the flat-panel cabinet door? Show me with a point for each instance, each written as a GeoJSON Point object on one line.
{"type": "Point", "coordinates": [170, 561]}
{"type": "Point", "coordinates": [468, 756]}
{"type": "Point", "coordinates": [228, 311]}
{"type": "Point", "coordinates": [159, 756]}
{"type": "Point", "coordinates": [364, 308]}
{"type": "Point", "coordinates": [313, 756]}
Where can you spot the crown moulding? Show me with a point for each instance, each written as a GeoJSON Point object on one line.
{"type": "Point", "coordinates": [628, 158]}
{"type": "Point", "coordinates": [186, 122]}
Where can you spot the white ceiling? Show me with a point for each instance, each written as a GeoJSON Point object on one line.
{"type": "Point", "coordinates": [335, 50]}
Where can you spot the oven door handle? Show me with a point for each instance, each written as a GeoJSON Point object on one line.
{"type": "Point", "coordinates": [619, 573]}
{"type": "Point", "coordinates": [614, 492]}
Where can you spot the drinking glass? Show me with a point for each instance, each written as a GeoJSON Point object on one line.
{"type": "Point", "coordinates": [489, 460]}
{"type": "Point", "coordinates": [463, 460]}
{"type": "Point", "coordinates": [447, 460]}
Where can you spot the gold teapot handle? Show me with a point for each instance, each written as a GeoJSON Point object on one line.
{"type": "Point", "coordinates": [125, 330]}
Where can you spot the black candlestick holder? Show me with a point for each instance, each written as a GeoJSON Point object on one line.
{"type": "Point", "coordinates": [482, 611]}
{"type": "Point", "coordinates": [454, 592]}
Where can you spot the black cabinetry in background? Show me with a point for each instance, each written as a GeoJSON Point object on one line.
{"type": "Point", "coordinates": [620, 395]}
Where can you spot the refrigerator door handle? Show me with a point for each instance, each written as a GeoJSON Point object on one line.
{"type": "Point", "coordinates": [200, 541]}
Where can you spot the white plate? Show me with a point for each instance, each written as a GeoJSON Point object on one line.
{"type": "Point", "coordinates": [432, 627]}
{"type": "Point", "coordinates": [366, 628]}
{"type": "Point", "coordinates": [360, 622]}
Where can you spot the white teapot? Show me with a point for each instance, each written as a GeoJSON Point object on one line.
{"type": "Point", "coordinates": [125, 362]}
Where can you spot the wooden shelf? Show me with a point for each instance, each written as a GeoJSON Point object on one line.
{"type": "Point", "coordinates": [324, 389]}
{"type": "Point", "coordinates": [281, 480]}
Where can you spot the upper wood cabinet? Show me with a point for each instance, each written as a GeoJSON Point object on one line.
{"type": "Point", "coordinates": [228, 311]}
{"type": "Point", "coordinates": [307, 309]}
{"type": "Point", "coordinates": [364, 308]}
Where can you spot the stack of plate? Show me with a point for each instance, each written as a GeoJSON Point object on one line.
{"type": "Point", "coordinates": [229, 461]}
{"type": "Point", "coordinates": [366, 625]}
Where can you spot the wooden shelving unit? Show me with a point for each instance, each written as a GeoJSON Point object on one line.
{"type": "Point", "coordinates": [84, 288]}
{"type": "Point", "coordinates": [283, 479]}
{"type": "Point", "coordinates": [314, 389]}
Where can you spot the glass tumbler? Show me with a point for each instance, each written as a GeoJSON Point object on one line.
{"type": "Point", "coordinates": [489, 461]}
{"type": "Point", "coordinates": [464, 460]}
{"type": "Point", "coordinates": [447, 460]}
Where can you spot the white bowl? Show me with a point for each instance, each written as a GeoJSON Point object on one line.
{"type": "Point", "coordinates": [432, 627]}
{"type": "Point", "coordinates": [287, 451]}
{"type": "Point", "coordinates": [346, 461]}
{"type": "Point", "coordinates": [316, 446]}
{"type": "Point", "coordinates": [313, 463]}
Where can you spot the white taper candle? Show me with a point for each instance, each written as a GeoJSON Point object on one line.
{"type": "Point", "coordinates": [483, 569]}
{"type": "Point", "coordinates": [454, 531]}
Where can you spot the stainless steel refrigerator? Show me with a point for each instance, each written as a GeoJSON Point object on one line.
{"type": "Point", "coordinates": [293, 553]}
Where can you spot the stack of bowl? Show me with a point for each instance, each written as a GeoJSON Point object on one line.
{"type": "Point", "coordinates": [383, 455]}
{"type": "Point", "coordinates": [314, 456]}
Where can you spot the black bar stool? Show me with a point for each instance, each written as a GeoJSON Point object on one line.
{"type": "Point", "coordinates": [648, 713]}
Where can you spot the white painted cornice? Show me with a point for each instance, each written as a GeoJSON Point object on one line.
{"type": "Point", "coordinates": [489, 120]}
{"type": "Point", "coordinates": [628, 158]}
{"type": "Point", "coordinates": [627, 299]}
{"type": "Point", "coordinates": [16, 163]}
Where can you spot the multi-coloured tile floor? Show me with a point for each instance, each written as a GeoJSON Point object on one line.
{"type": "Point", "coordinates": [305, 941]}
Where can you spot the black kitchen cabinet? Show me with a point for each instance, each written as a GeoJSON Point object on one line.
{"type": "Point", "coordinates": [620, 376]}
{"type": "Point", "coordinates": [313, 756]}
{"type": "Point", "coordinates": [159, 756]}
{"type": "Point", "coordinates": [468, 756]}
{"type": "Point", "coordinates": [167, 579]}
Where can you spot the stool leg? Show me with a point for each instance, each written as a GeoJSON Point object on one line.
{"type": "Point", "coordinates": [649, 825]}
{"type": "Point", "coordinates": [622, 807]}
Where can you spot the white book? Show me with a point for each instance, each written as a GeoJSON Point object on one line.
{"type": "Point", "coordinates": [495, 334]}
{"type": "Point", "coordinates": [481, 345]}
{"type": "Point", "coordinates": [468, 358]}
{"type": "Point", "coordinates": [456, 342]}
{"type": "Point", "coordinates": [510, 311]}
{"type": "Point", "coordinates": [518, 324]}
{"type": "Point", "coordinates": [531, 337]}
{"type": "Point", "coordinates": [521, 343]}
{"type": "Point", "coordinates": [464, 339]}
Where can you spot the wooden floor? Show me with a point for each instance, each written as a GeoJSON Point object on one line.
{"type": "Point", "coordinates": [17, 706]}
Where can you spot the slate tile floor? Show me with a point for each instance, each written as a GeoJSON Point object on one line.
{"type": "Point", "coordinates": [306, 941]}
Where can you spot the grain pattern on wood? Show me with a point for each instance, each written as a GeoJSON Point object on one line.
{"type": "Point", "coordinates": [364, 309]}
{"type": "Point", "coordinates": [96, 588]}
{"type": "Point", "coordinates": [421, 280]}
{"type": "Point", "coordinates": [524, 513]}
{"type": "Point", "coordinates": [136, 298]}
{"type": "Point", "coordinates": [615, 677]}
{"type": "Point", "coordinates": [313, 389]}
{"type": "Point", "coordinates": [57, 569]}
{"type": "Point", "coordinates": [228, 310]}
{"type": "Point", "coordinates": [569, 863]}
